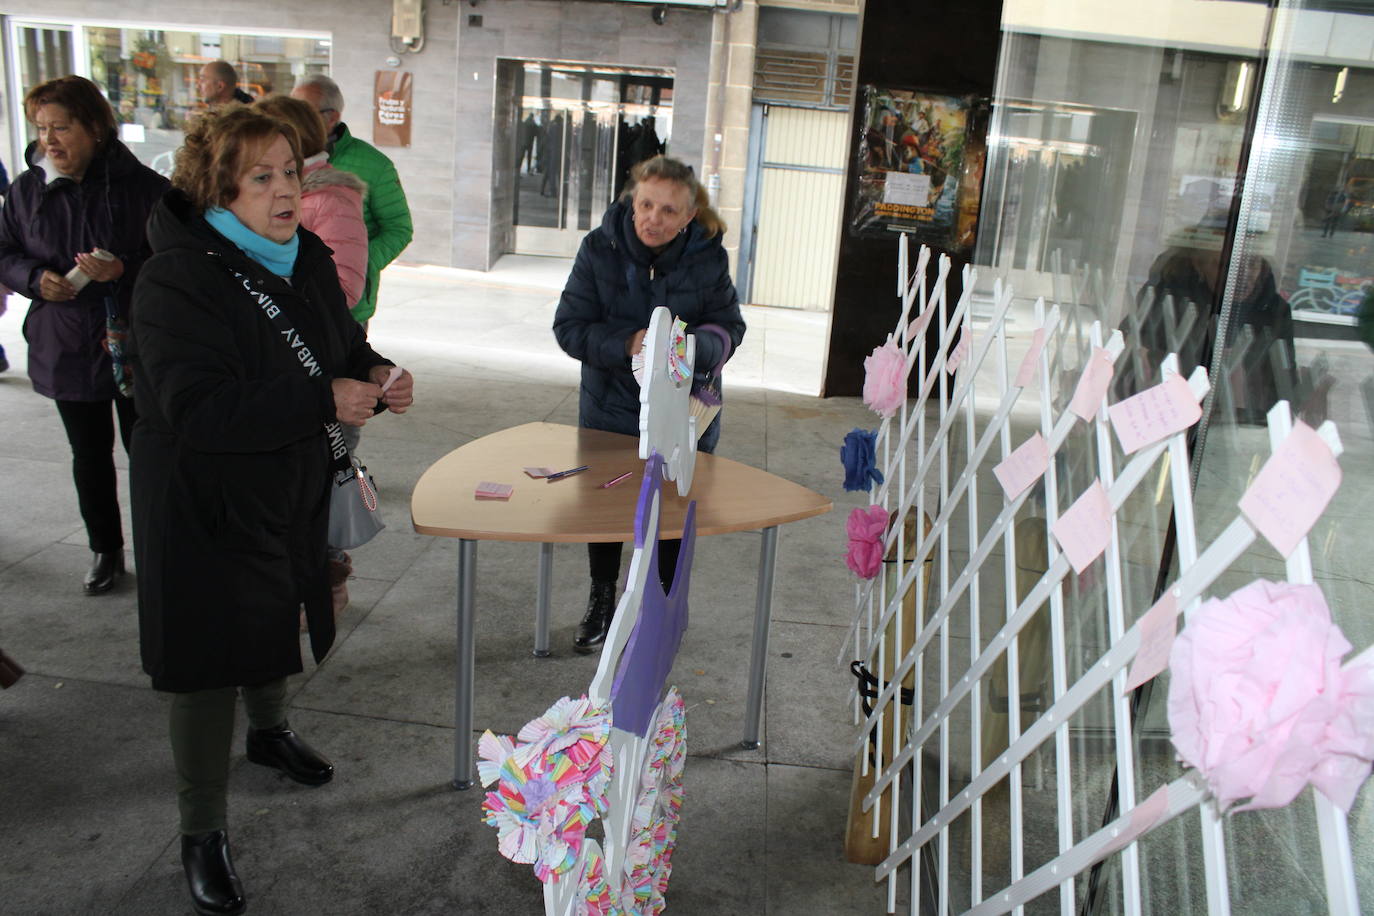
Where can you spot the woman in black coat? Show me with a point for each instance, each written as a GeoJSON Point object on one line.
{"type": "Point", "coordinates": [83, 191]}
{"type": "Point", "coordinates": [659, 245]}
{"type": "Point", "coordinates": [231, 466]}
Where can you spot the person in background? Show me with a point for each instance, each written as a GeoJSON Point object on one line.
{"type": "Point", "coordinates": [231, 467]}
{"type": "Point", "coordinates": [332, 208]}
{"type": "Point", "coordinates": [1337, 204]}
{"type": "Point", "coordinates": [218, 84]}
{"type": "Point", "coordinates": [385, 211]}
{"type": "Point", "coordinates": [331, 199]}
{"type": "Point", "coordinates": [389, 227]}
{"type": "Point", "coordinates": [658, 245]}
{"type": "Point", "coordinates": [83, 191]}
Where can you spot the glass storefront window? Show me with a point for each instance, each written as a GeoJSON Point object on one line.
{"type": "Point", "coordinates": [580, 130]}
{"type": "Point", "coordinates": [1199, 177]}
{"type": "Point", "coordinates": [149, 75]}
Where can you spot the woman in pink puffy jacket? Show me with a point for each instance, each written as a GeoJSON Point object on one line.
{"type": "Point", "coordinates": [332, 208]}
{"type": "Point", "coordinates": [331, 199]}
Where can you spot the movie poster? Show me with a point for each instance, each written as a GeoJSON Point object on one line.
{"type": "Point", "coordinates": [911, 166]}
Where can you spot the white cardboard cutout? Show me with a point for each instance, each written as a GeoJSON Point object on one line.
{"type": "Point", "coordinates": [666, 424]}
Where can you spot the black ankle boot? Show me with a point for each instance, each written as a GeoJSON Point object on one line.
{"type": "Point", "coordinates": [591, 632]}
{"type": "Point", "coordinates": [105, 569]}
{"type": "Point", "coordinates": [215, 887]}
{"type": "Point", "coordinates": [283, 749]}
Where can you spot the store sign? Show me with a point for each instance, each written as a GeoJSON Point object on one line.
{"type": "Point", "coordinates": [391, 111]}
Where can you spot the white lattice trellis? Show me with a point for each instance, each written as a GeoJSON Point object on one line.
{"type": "Point", "coordinates": [932, 471]}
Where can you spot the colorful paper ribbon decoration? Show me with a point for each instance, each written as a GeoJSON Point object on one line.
{"type": "Point", "coordinates": [550, 784]}
{"type": "Point", "coordinates": [885, 379]}
{"type": "Point", "coordinates": [859, 456]}
{"type": "Point", "coordinates": [678, 370]}
{"type": "Point", "coordinates": [653, 827]}
{"type": "Point", "coordinates": [866, 528]}
{"type": "Point", "coordinates": [1260, 704]}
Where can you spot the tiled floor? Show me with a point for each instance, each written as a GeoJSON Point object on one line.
{"type": "Point", "coordinates": [86, 802]}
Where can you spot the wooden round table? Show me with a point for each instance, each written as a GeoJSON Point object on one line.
{"type": "Point", "coordinates": [730, 497]}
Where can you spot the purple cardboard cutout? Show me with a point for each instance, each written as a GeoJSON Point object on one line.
{"type": "Point", "coordinates": [648, 656]}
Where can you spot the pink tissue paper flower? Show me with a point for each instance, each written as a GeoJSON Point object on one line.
{"type": "Point", "coordinates": [866, 528]}
{"type": "Point", "coordinates": [885, 379]}
{"type": "Point", "coordinates": [1259, 702]}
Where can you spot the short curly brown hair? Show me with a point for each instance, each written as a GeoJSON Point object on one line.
{"type": "Point", "coordinates": [80, 97]}
{"type": "Point", "coordinates": [221, 145]}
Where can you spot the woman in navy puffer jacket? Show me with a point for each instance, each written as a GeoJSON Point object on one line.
{"type": "Point", "coordinates": [659, 245]}
{"type": "Point", "coordinates": [84, 190]}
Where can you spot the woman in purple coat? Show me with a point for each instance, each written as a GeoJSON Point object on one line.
{"type": "Point", "coordinates": [84, 195]}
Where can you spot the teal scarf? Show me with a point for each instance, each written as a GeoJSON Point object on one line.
{"type": "Point", "coordinates": [278, 257]}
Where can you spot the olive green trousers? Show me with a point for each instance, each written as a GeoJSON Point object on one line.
{"type": "Point", "coordinates": [202, 731]}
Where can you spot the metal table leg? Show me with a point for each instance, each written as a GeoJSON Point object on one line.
{"type": "Point", "coordinates": [758, 656]}
{"type": "Point", "coordinates": [541, 608]}
{"type": "Point", "coordinates": [466, 663]}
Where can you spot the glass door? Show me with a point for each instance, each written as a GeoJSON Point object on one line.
{"type": "Point", "coordinates": [578, 131]}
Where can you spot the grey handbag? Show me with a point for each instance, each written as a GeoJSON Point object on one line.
{"type": "Point", "coordinates": [353, 516]}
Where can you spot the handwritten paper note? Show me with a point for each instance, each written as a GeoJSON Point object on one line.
{"type": "Point", "coordinates": [918, 324]}
{"type": "Point", "coordinates": [538, 473]}
{"type": "Point", "coordinates": [906, 189]}
{"type": "Point", "coordinates": [960, 351]}
{"type": "Point", "coordinates": [1154, 414]}
{"type": "Point", "coordinates": [1292, 489]}
{"type": "Point", "coordinates": [1157, 631]}
{"type": "Point", "coordinates": [1142, 817]}
{"type": "Point", "coordinates": [488, 490]}
{"type": "Point", "coordinates": [1023, 466]}
{"type": "Point", "coordinates": [1031, 361]}
{"type": "Point", "coordinates": [1084, 531]}
{"type": "Point", "coordinates": [1092, 384]}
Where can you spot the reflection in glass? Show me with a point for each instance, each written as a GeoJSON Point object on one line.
{"type": "Point", "coordinates": [1217, 204]}
{"type": "Point", "coordinates": [579, 131]}
{"type": "Point", "coordinates": [149, 76]}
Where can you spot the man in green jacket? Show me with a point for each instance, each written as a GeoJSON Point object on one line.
{"type": "Point", "coordinates": [389, 228]}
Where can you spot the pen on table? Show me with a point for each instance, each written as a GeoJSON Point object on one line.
{"type": "Point", "coordinates": [561, 474]}
{"type": "Point", "coordinates": [615, 480]}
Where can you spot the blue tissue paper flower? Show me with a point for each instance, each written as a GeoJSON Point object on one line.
{"type": "Point", "coordinates": [859, 455]}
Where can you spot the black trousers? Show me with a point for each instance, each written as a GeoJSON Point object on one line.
{"type": "Point", "coordinates": [604, 560]}
{"type": "Point", "coordinates": [90, 430]}
{"type": "Point", "coordinates": [201, 726]}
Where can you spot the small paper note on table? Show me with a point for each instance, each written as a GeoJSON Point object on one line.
{"type": "Point", "coordinates": [1143, 816]}
{"type": "Point", "coordinates": [1157, 631]}
{"type": "Point", "coordinates": [1023, 466]}
{"type": "Point", "coordinates": [1025, 374]}
{"type": "Point", "coordinates": [1292, 489]}
{"type": "Point", "coordinates": [537, 473]}
{"type": "Point", "coordinates": [1085, 528]}
{"type": "Point", "coordinates": [488, 490]}
{"type": "Point", "coordinates": [1154, 414]}
{"type": "Point", "coordinates": [1092, 384]}
{"type": "Point", "coordinates": [960, 351]}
